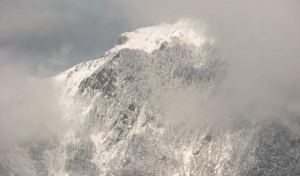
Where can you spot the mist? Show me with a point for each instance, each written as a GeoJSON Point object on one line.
{"type": "Point", "coordinates": [29, 107]}
{"type": "Point", "coordinates": [260, 41]}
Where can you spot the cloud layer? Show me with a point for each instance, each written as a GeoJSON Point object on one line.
{"type": "Point", "coordinates": [260, 39]}
{"type": "Point", "coordinates": [28, 107]}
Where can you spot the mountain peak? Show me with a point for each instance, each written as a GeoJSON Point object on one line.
{"type": "Point", "coordinates": [146, 39]}
{"type": "Point", "coordinates": [150, 38]}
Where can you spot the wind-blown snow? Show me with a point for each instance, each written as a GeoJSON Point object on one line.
{"type": "Point", "coordinates": [150, 38]}
{"type": "Point", "coordinates": [146, 39]}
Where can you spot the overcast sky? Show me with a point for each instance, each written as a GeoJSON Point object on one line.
{"type": "Point", "coordinates": [52, 35]}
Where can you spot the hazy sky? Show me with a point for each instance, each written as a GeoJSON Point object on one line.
{"type": "Point", "coordinates": [52, 35]}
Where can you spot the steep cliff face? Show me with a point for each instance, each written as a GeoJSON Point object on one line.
{"type": "Point", "coordinates": [120, 99]}
{"type": "Point", "coordinates": [139, 116]}
{"type": "Point", "coordinates": [136, 111]}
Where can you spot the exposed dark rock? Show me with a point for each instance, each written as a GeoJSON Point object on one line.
{"type": "Point", "coordinates": [207, 138]}
{"type": "Point", "coordinates": [122, 39]}
{"type": "Point", "coordinates": [131, 107]}
{"type": "Point", "coordinates": [163, 46]}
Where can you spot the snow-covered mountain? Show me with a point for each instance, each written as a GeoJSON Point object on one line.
{"type": "Point", "coordinates": [135, 112]}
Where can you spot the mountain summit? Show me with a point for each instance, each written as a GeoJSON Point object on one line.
{"type": "Point", "coordinates": [151, 38]}
{"type": "Point", "coordinates": [146, 39]}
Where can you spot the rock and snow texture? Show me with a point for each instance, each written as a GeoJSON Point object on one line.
{"type": "Point", "coordinates": [122, 123]}
{"type": "Point", "coordinates": [150, 38]}
{"type": "Point", "coordinates": [145, 39]}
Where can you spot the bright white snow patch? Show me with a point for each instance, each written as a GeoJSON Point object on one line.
{"type": "Point", "coordinates": [151, 38]}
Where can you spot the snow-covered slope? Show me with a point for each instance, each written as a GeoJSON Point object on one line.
{"type": "Point", "coordinates": [146, 39]}
{"type": "Point", "coordinates": [150, 38]}
{"type": "Point", "coordinates": [134, 111]}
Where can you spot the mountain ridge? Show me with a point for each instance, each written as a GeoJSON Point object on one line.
{"type": "Point", "coordinates": [146, 39]}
